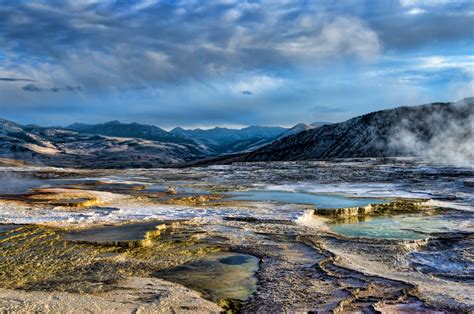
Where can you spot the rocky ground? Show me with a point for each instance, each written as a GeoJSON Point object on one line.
{"type": "Point", "coordinates": [133, 295]}
{"type": "Point", "coordinates": [113, 241]}
{"type": "Point", "coordinates": [299, 270]}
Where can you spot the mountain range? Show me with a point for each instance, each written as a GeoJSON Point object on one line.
{"type": "Point", "coordinates": [211, 141]}
{"type": "Point", "coordinates": [441, 131]}
{"type": "Point", "coordinates": [121, 145]}
{"type": "Point", "coordinates": [225, 141]}
{"type": "Point", "coordinates": [118, 129]}
{"type": "Point", "coordinates": [300, 127]}
{"type": "Point", "coordinates": [55, 146]}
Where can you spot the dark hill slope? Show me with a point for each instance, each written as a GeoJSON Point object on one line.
{"type": "Point", "coordinates": [433, 130]}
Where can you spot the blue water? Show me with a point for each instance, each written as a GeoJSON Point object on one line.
{"type": "Point", "coordinates": [400, 227]}
{"type": "Point", "coordinates": [377, 228]}
{"type": "Point", "coordinates": [219, 275]}
{"type": "Point", "coordinates": [319, 200]}
{"type": "Point", "coordinates": [179, 189]}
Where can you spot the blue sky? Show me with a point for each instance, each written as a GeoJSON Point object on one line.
{"type": "Point", "coordinates": [229, 63]}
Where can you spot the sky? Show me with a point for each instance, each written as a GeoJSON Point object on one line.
{"type": "Point", "coordinates": [229, 63]}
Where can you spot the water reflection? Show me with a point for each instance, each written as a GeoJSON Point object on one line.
{"type": "Point", "coordinates": [219, 276]}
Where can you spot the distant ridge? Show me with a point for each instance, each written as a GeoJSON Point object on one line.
{"type": "Point", "coordinates": [118, 145]}
{"type": "Point", "coordinates": [214, 141]}
{"type": "Point", "coordinates": [67, 148]}
{"type": "Point", "coordinates": [116, 128]}
{"type": "Point", "coordinates": [443, 132]}
{"type": "Point", "coordinates": [225, 140]}
{"type": "Point", "coordinates": [300, 127]}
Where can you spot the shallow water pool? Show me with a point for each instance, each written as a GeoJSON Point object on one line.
{"type": "Point", "coordinates": [319, 200]}
{"type": "Point", "coordinates": [113, 234]}
{"type": "Point", "coordinates": [400, 227]}
{"type": "Point", "coordinates": [221, 275]}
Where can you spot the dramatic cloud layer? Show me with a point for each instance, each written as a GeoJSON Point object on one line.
{"type": "Point", "coordinates": [229, 62]}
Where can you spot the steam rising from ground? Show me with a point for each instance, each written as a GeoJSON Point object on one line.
{"type": "Point", "coordinates": [445, 135]}
{"type": "Point", "coordinates": [13, 184]}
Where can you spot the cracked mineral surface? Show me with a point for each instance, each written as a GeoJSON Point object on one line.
{"type": "Point", "coordinates": [349, 235]}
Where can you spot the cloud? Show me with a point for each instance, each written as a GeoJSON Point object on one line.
{"type": "Point", "coordinates": [141, 5]}
{"type": "Point", "coordinates": [416, 11]}
{"type": "Point", "coordinates": [36, 89]}
{"type": "Point", "coordinates": [12, 79]}
{"type": "Point", "coordinates": [327, 109]}
{"type": "Point", "coordinates": [257, 84]}
{"type": "Point", "coordinates": [161, 61]}
{"type": "Point", "coordinates": [32, 88]}
{"type": "Point", "coordinates": [103, 45]}
{"type": "Point", "coordinates": [409, 3]}
{"type": "Point", "coordinates": [437, 62]}
{"type": "Point", "coordinates": [341, 36]}
{"type": "Point", "coordinates": [414, 24]}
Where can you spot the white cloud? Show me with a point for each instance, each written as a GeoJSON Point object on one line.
{"type": "Point", "coordinates": [232, 15]}
{"type": "Point", "coordinates": [416, 11]}
{"type": "Point", "coordinates": [410, 3]}
{"type": "Point", "coordinates": [465, 63]}
{"type": "Point", "coordinates": [257, 84]}
{"type": "Point", "coordinates": [144, 4]}
{"type": "Point", "coordinates": [339, 37]}
{"type": "Point", "coordinates": [159, 59]}
{"type": "Point", "coordinates": [457, 89]}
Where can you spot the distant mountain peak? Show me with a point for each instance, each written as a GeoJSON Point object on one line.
{"type": "Point", "coordinates": [319, 123]}
{"type": "Point", "coordinates": [441, 132]}
{"type": "Point", "coordinates": [136, 130]}
{"type": "Point", "coordinates": [177, 129]}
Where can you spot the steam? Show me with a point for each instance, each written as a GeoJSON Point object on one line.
{"type": "Point", "coordinates": [309, 220]}
{"type": "Point", "coordinates": [13, 184]}
{"type": "Point", "coordinates": [444, 134]}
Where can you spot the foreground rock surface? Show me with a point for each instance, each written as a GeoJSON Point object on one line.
{"type": "Point", "coordinates": [413, 256]}
{"type": "Point", "coordinates": [133, 295]}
